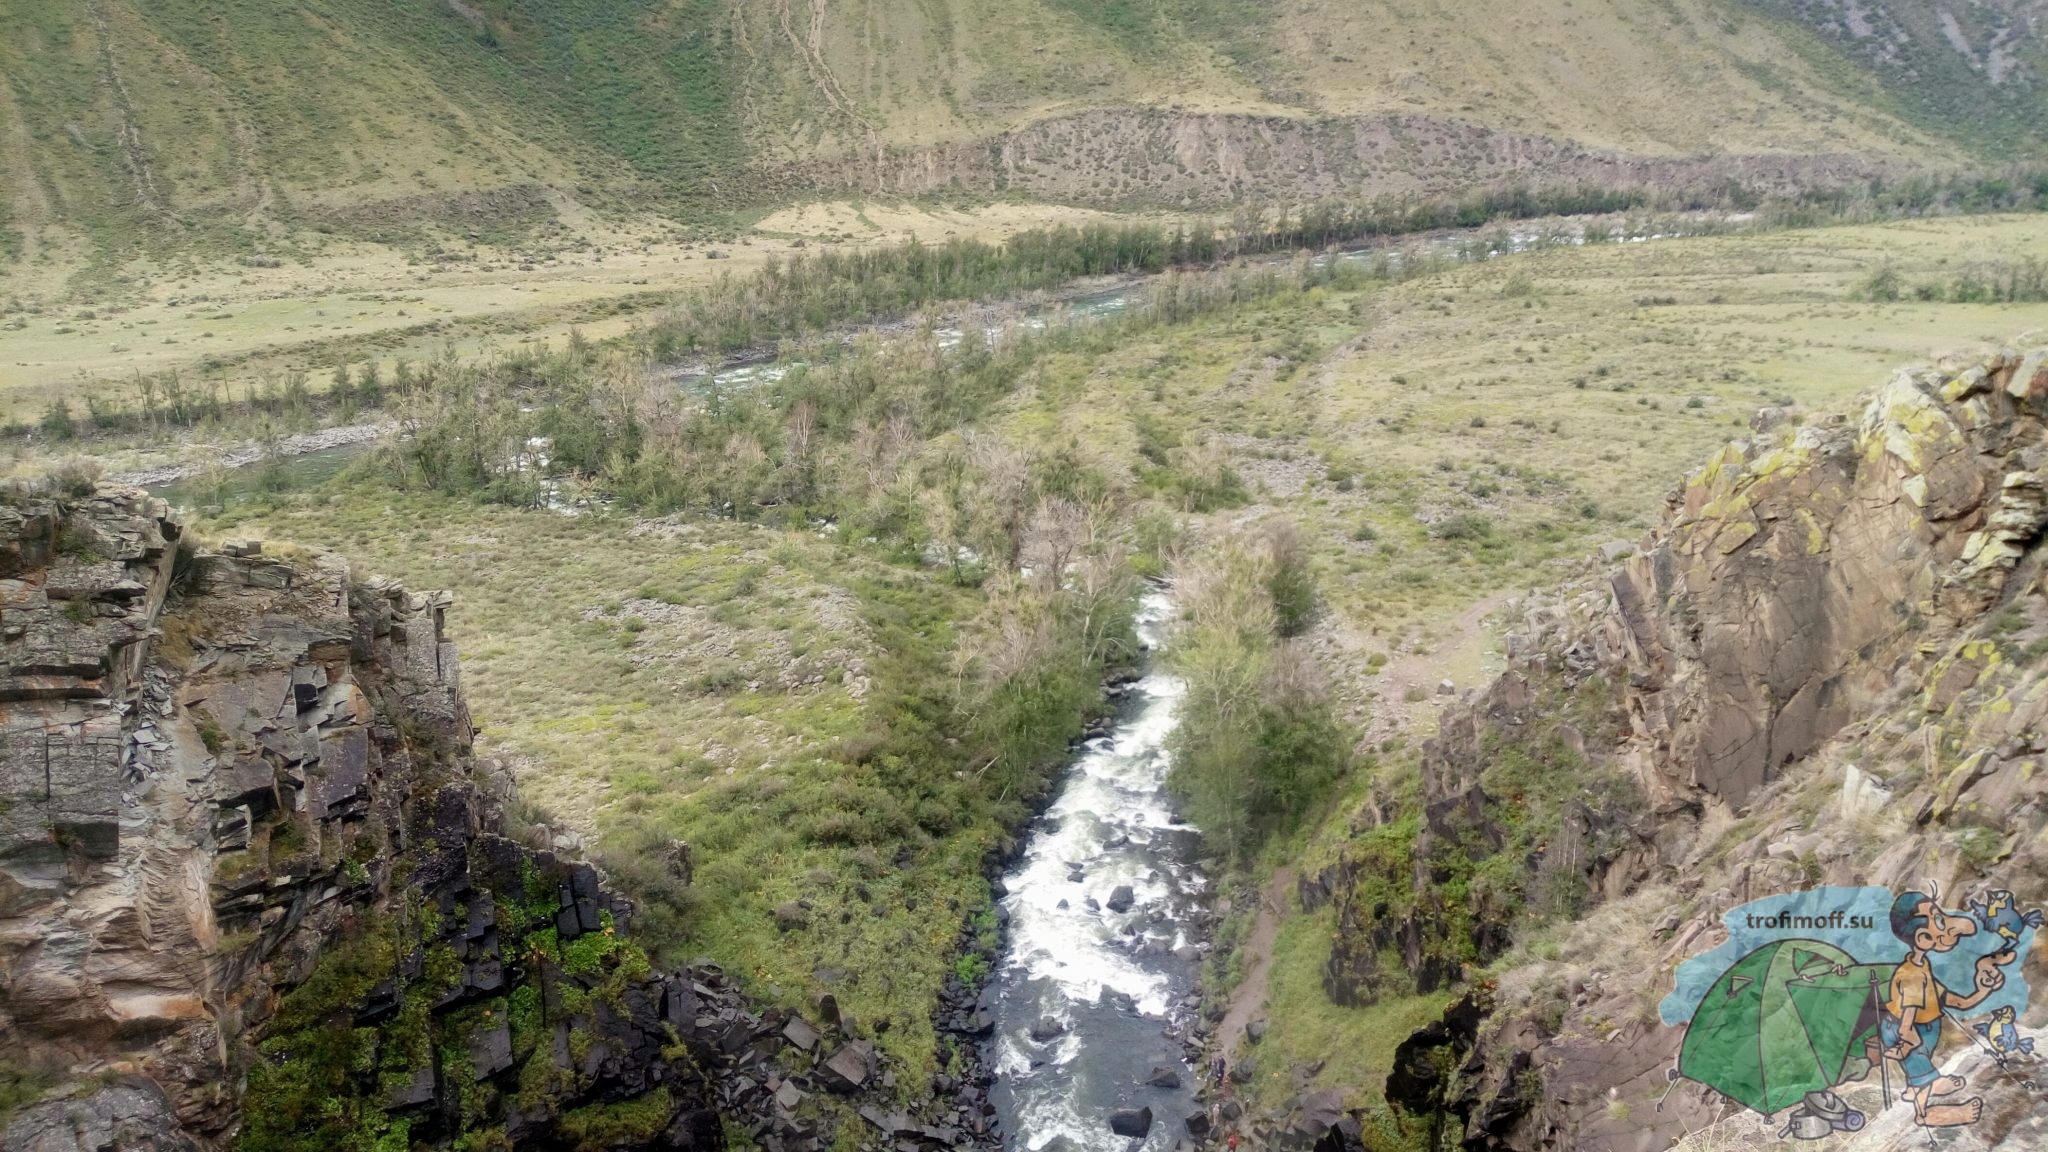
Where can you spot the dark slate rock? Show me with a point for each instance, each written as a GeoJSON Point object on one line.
{"type": "Point", "coordinates": [846, 1071]}
{"type": "Point", "coordinates": [344, 773]}
{"type": "Point", "coordinates": [1131, 1122]}
{"type": "Point", "coordinates": [381, 1002]}
{"type": "Point", "coordinates": [490, 1049]}
{"type": "Point", "coordinates": [800, 1034]}
{"type": "Point", "coordinates": [1121, 898]}
{"type": "Point", "coordinates": [414, 1093]}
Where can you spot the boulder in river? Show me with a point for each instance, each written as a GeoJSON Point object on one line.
{"type": "Point", "coordinates": [1121, 898]}
{"type": "Point", "coordinates": [1164, 1076]}
{"type": "Point", "coordinates": [1132, 1122]}
{"type": "Point", "coordinates": [1047, 1028]}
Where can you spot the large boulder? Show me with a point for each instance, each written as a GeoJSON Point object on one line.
{"type": "Point", "coordinates": [1135, 1123]}
{"type": "Point", "coordinates": [130, 1115]}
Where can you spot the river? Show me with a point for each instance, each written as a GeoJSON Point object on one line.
{"type": "Point", "coordinates": [302, 469]}
{"type": "Point", "coordinates": [1116, 984]}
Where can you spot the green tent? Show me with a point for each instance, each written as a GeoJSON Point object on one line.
{"type": "Point", "coordinates": [1781, 1022]}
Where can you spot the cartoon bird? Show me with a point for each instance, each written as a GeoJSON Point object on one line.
{"type": "Point", "coordinates": [1996, 912]}
{"type": "Point", "coordinates": [2004, 1037]}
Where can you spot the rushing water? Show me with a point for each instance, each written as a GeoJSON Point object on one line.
{"type": "Point", "coordinates": [1116, 983]}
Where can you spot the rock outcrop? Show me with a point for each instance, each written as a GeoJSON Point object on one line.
{"type": "Point", "coordinates": [256, 889]}
{"type": "Point", "coordinates": [1828, 666]}
{"type": "Point", "coordinates": [1117, 157]}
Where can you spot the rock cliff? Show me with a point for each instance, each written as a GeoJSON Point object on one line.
{"type": "Point", "coordinates": [1829, 665]}
{"type": "Point", "coordinates": [1122, 157]}
{"type": "Point", "coordinates": [256, 890]}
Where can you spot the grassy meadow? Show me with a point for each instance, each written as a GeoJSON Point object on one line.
{"type": "Point", "coordinates": [344, 301]}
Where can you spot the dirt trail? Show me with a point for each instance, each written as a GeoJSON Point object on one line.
{"type": "Point", "coordinates": [1248, 1000]}
{"type": "Point", "coordinates": [1391, 711]}
{"type": "Point", "coordinates": [1250, 997]}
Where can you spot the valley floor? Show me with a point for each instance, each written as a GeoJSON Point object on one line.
{"type": "Point", "coordinates": [359, 302]}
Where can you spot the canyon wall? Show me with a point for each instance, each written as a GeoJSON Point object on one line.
{"type": "Point", "coordinates": [256, 889]}
{"type": "Point", "coordinates": [1828, 666]}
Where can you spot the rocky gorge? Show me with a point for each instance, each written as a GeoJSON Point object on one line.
{"type": "Point", "coordinates": [257, 889]}
{"type": "Point", "coordinates": [261, 890]}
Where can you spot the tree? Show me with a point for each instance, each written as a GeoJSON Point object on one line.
{"type": "Point", "coordinates": [57, 422]}
{"type": "Point", "coordinates": [1258, 742]}
{"type": "Point", "coordinates": [1289, 580]}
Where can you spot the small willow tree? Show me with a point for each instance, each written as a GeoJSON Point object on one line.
{"type": "Point", "coordinates": [1257, 741]}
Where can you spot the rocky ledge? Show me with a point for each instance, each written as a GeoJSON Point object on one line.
{"type": "Point", "coordinates": [257, 890]}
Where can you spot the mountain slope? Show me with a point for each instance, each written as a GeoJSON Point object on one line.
{"type": "Point", "coordinates": [1977, 70]}
{"type": "Point", "coordinates": [184, 120]}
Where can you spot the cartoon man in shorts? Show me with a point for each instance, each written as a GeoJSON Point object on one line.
{"type": "Point", "coordinates": [1911, 1026]}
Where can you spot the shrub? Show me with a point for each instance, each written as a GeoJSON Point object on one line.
{"type": "Point", "coordinates": [1467, 526]}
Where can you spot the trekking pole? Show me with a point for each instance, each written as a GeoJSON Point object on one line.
{"type": "Point", "coordinates": [1670, 1082]}
{"type": "Point", "coordinates": [1997, 1057]}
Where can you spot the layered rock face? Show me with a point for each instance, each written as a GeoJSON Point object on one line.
{"type": "Point", "coordinates": [1790, 581]}
{"type": "Point", "coordinates": [1120, 157]}
{"type": "Point", "coordinates": [255, 889]}
{"type": "Point", "coordinates": [1828, 666]}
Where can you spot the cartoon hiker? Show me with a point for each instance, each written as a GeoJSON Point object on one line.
{"type": "Point", "coordinates": [1911, 1024]}
{"type": "Point", "coordinates": [2005, 1038]}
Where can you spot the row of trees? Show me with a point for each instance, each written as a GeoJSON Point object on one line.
{"type": "Point", "coordinates": [868, 435]}
{"type": "Point", "coordinates": [812, 293]}
{"type": "Point", "coordinates": [2023, 281]}
{"type": "Point", "coordinates": [162, 403]}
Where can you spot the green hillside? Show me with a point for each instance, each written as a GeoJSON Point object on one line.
{"type": "Point", "coordinates": [235, 121]}
{"type": "Point", "coordinates": [1977, 71]}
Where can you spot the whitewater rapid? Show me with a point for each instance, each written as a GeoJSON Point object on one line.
{"type": "Point", "coordinates": [1114, 982]}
